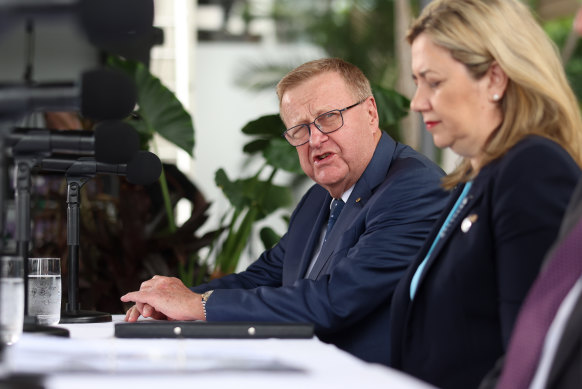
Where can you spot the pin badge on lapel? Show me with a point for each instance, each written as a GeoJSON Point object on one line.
{"type": "Point", "coordinates": [468, 222]}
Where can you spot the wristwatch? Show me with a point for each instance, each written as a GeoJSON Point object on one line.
{"type": "Point", "coordinates": [205, 297]}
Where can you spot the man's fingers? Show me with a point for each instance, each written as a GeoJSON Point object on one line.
{"type": "Point", "coordinates": [136, 297]}
{"type": "Point", "coordinates": [132, 314]}
{"type": "Point", "coordinates": [148, 284]}
{"type": "Point", "coordinates": [147, 310]}
{"type": "Point", "coordinates": [158, 316]}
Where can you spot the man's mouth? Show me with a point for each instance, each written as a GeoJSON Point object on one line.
{"type": "Point", "coordinates": [322, 156]}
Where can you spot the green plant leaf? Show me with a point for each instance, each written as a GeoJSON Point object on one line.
{"type": "Point", "coordinates": [266, 197]}
{"type": "Point", "coordinates": [239, 241]}
{"type": "Point", "coordinates": [270, 125]}
{"type": "Point", "coordinates": [260, 76]}
{"type": "Point", "coordinates": [253, 193]}
{"type": "Point", "coordinates": [281, 155]}
{"type": "Point", "coordinates": [159, 108]}
{"type": "Point", "coordinates": [269, 237]}
{"type": "Point", "coordinates": [231, 189]}
{"type": "Point", "coordinates": [256, 145]}
{"type": "Point", "coordinates": [392, 106]}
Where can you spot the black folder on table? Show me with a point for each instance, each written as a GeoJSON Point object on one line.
{"type": "Point", "coordinates": [217, 330]}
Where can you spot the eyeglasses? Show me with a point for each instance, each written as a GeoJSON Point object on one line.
{"type": "Point", "coordinates": [327, 123]}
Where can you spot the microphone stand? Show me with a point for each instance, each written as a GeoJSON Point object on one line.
{"type": "Point", "coordinates": [22, 184]}
{"type": "Point", "coordinates": [5, 127]}
{"type": "Point", "coordinates": [73, 312]}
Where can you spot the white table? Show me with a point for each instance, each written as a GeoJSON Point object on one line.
{"type": "Point", "coordinates": [93, 358]}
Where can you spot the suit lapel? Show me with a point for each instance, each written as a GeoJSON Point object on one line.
{"type": "Point", "coordinates": [347, 215]}
{"type": "Point", "coordinates": [570, 344]}
{"type": "Point", "coordinates": [454, 225]}
{"type": "Point", "coordinates": [313, 237]}
{"type": "Point", "coordinates": [372, 177]}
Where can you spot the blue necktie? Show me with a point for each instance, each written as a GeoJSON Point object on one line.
{"type": "Point", "coordinates": [334, 211]}
{"type": "Point", "coordinates": [336, 207]}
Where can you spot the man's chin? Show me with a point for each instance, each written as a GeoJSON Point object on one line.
{"type": "Point", "coordinates": [334, 187]}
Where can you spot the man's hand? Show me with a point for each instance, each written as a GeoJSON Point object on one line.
{"type": "Point", "coordinates": [164, 298]}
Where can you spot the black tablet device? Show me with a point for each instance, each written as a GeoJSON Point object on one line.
{"type": "Point", "coordinates": [217, 330]}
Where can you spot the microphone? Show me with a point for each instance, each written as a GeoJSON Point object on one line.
{"type": "Point", "coordinates": [110, 142]}
{"type": "Point", "coordinates": [144, 168]}
{"type": "Point", "coordinates": [103, 21]}
{"type": "Point", "coordinates": [101, 95]}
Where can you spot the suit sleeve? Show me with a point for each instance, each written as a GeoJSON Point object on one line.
{"type": "Point", "coordinates": [393, 226]}
{"type": "Point", "coordinates": [532, 194]}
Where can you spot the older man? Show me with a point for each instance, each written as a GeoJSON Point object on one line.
{"type": "Point", "coordinates": [341, 280]}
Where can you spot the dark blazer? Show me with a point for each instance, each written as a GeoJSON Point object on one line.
{"type": "Point", "coordinates": [469, 294]}
{"type": "Point", "coordinates": [383, 224]}
{"type": "Point", "coordinates": [566, 368]}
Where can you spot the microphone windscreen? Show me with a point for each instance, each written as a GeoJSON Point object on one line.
{"type": "Point", "coordinates": [144, 168]}
{"type": "Point", "coordinates": [111, 21]}
{"type": "Point", "coordinates": [115, 142]}
{"type": "Point", "coordinates": [107, 94]}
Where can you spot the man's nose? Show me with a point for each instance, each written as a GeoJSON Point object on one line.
{"type": "Point", "coordinates": [316, 136]}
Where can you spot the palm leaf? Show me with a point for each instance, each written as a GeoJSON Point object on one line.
{"type": "Point", "coordinates": [159, 110]}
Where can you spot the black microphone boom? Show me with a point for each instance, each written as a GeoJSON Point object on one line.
{"type": "Point", "coordinates": [143, 169]}
{"type": "Point", "coordinates": [102, 94]}
{"type": "Point", "coordinates": [104, 22]}
{"type": "Point", "coordinates": [110, 142]}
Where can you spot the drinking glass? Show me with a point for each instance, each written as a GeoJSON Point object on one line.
{"type": "Point", "coordinates": [44, 290]}
{"type": "Point", "coordinates": [11, 298]}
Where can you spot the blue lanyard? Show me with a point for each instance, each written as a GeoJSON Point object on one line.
{"type": "Point", "coordinates": [418, 273]}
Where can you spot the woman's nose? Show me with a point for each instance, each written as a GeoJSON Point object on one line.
{"type": "Point", "coordinates": [419, 103]}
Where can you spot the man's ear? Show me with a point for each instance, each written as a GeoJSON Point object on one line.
{"type": "Point", "coordinates": [372, 111]}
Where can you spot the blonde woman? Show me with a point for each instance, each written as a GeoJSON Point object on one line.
{"type": "Point", "coordinates": [490, 86]}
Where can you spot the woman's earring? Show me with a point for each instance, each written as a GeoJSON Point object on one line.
{"type": "Point", "coordinates": [495, 97]}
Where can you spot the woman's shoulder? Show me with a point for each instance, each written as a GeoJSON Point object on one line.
{"type": "Point", "coordinates": [532, 157]}
{"type": "Point", "coordinates": [535, 141]}
{"type": "Point", "coordinates": [535, 150]}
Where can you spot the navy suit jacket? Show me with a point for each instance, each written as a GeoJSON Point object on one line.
{"type": "Point", "coordinates": [471, 289]}
{"type": "Point", "coordinates": [379, 231]}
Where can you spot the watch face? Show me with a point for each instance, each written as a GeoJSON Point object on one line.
{"type": "Point", "coordinates": [207, 294]}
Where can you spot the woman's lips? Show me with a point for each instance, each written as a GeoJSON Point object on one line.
{"type": "Point", "coordinates": [430, 124]}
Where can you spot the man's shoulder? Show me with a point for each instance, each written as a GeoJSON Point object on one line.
{"type": "Point", "coordinates": [408, 157]}
{"type": "Point", "coordinates": [408, 162]}
{"type": "Point", "coordinates": [393, 159]}
{"type": "Point", "coordinates": [406, 176]}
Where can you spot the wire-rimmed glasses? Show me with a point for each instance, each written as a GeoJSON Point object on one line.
{"type": "Point", "coordinates": [327, 123]}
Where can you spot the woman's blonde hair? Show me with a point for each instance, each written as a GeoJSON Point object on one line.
{"type": "Point", "coordinates": [538, 99]}
{"type": "Point", "coordinates": [354, 78]}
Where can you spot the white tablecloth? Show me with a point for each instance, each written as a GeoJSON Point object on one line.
{"type": "Point", "coordinates": [93, 358]}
